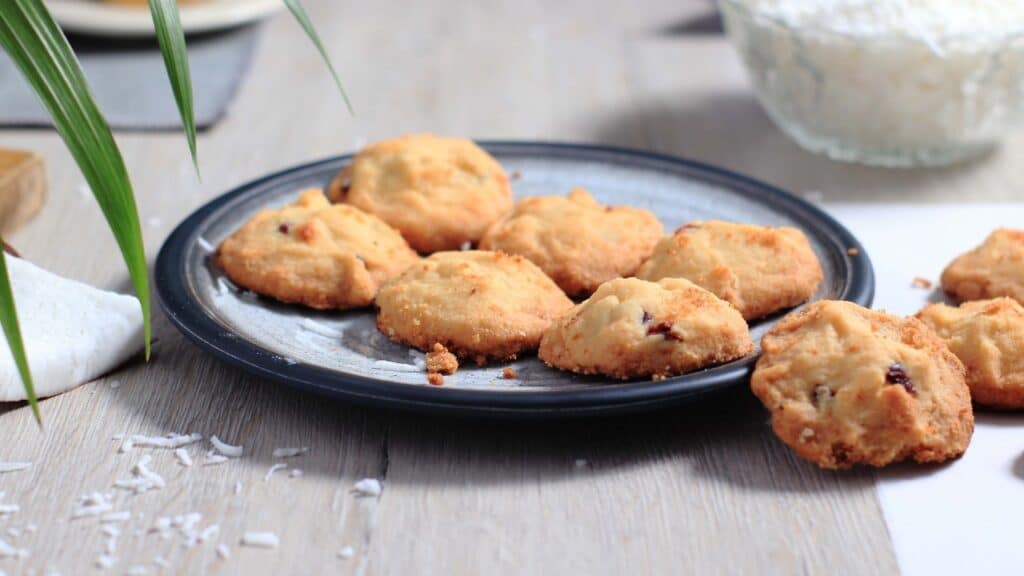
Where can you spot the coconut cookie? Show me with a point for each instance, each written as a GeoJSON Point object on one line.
{"type": "Point", "coordinates": [576, 241]}
{"type": "Point", "coordinates": [994, 269]}
{"type": "Point", "coordinates": [758, 269]}
{"type": "Point", "coordinates": [632, 328]}
{"type": "Point", "coordinates": [988, 337]}
{"type": "Point", "coordinates": [479, 305]}
{"type": "Point", "coordinates": [438, 192]}
{"type": "Point", "coordinates": [314, 253]}
{"type": "Point", "coordinates": [846, 385]}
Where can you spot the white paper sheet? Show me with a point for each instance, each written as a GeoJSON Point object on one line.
{"type": "Point", "coordinates": [966, 517]}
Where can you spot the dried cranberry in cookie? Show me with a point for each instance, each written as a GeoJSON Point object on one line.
{"type": "Point", "coordinates": [846, 385]}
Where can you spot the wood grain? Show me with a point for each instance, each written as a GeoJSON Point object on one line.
{"type": "Point", "coordinates": [701, 490]}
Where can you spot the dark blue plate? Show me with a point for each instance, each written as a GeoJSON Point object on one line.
{"type": "Point", "coordinates": [342, 354]}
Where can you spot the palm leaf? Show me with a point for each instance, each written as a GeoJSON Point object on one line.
{"type": "Point", "coordinates": [40, 50]}
{"type": "Point", "coordinates": [171, 38]}
{"type": "Point", "coordinates": [300, 15]}
{"type": "Point", "coordinates": [9, 320]}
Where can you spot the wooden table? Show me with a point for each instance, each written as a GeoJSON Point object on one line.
{"type": "Point", "coordinates": [702, 490]}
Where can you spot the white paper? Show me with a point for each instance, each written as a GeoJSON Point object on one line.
{"type": "Point", "coordinates": [966, 517]}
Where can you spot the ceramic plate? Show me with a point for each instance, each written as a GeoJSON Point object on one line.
{"type": "Point", "coordinates": [343, 355]}
{"type": "Point", "coordinates": [105, 19]}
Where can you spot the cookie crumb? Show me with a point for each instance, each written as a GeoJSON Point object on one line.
{"type": "Point", "coordinates": [923, 283]}
{"type": "Point", "coordinates": [658, 377]}
{"type": "Point", "coordinates": [441, 361]}
{"type": "Point", "coordinates": [435, 379]}
{"type": "Point", "coordinates": [509, 373]}
{"type": "Point", "coordinates": [853, 251]}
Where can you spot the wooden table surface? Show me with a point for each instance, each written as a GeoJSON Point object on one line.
{"type": "Point", "coordinates": [701, 490]}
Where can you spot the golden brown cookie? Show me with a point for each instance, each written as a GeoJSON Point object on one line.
{"type": "Point", "coordinates": [994, 269]}
{"type": "Point", "coordinates": [479, 305]}
{"type": "Point", "coordinates": [632, 328]}
{"type": "Point", "coordinates": [314, 253]}
{"type": "Point", "coordinates": [438, 192]}
{"type": "Point", "coordinates": [988, 337]}
{"type": "Point", "coordinates": [758, 269]}
{"type": "Point", "coordinates": [576, 241]}
{"type": "Point", "coordinates": [846, 385]}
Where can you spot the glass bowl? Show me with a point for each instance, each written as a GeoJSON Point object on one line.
{"type": "Point", "coordinates": [892, 100]}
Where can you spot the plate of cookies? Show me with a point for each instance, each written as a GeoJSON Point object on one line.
{"type": "Point", "coordinates": [502, 278]}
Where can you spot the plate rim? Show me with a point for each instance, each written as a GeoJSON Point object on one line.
{"type": "Point", "coordinates": [187, 315]}
{"type": "Point", "coordinates": [94, 19]}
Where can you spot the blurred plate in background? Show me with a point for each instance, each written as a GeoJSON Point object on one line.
{"type": "Point", "coordinates": [98, 18]}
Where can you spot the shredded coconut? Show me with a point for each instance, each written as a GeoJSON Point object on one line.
{"type": "Point", "coordinates": [346, 553]}
{"type": "Point", "coordinates": [238, 487]}
{"type": "Point", "coordinates": [274, 468]}
{"type": "Point", "coordinates": [122, 516]}
{"type": "Point", "coordinates": [13, 532]}
{"type": "Point", "coordinates": [260, 540]}
{"type": "Point", "coordinates": [6, 509]}
{"type": "Point", "coordinates": [295, 473]}
{"type": "Point", "coordinates": [226, 449]}
{"type": "Point", "coordinates": [368, 487]}
{"type": "Point", "coordinates": [8, 551]}
{"type": "Point", "coordinates": [182, 455]}
{"type": "Point", "coordinates": [143, 479]}
{"type": "Point", "coordinates": [92, 505]}
{"type": "Point", "coordinates": [171, 441]}
{"type": "Point", "coordinates": [214, 459]}
{"type": "Point", "coordinates": [223, 551]}
{"type": "Point", "coordinates": [290, 452]}
{"type": "Point", "coordinates": [14, 466]}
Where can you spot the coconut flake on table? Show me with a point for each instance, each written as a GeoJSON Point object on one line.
{"type": "Point", "coordinates": [93, 504]}
{"type": "Point", "coordinates": [143, 479]}
{"type": "Point", "coordinates": [295, 473]}
{"type": "Point", "coordinates": [105, 561]}
{"type": "Point", "coordinates": [182, 455]}
{"type": "Point", "coordinates": [238, 487]}
{"type": "Point", "coordinates": [368, 487]}
{"type": "Point", "coordinates": [73, 332]}
{"type": "Point", "coordinates": [212, 459]}
{"type": "Point", "coordinates": [223, 551]}
{"type": "Point", "coordinates": [122, 516]}
{"type": "Point", "coordinates": [14, 532]}
{"type": "Point", "coordinates": [274, 468]}
{"type": "Point", "coordinates": [289, 452]}
{"type": "Point", "coordinates": [226, 449]}
{"type": "Point", "coordinates": [346, 553]}
{"type": "Point", "coordinates": [14, 466]}
{"type": "Point", "coordinates": [8, 551]}
{"type": "Point", "coordinates": [169, 441]}
{"type": "Point", "coordinates": [7, 509]}
{"type": "Point", "coordinates": [260, 540]}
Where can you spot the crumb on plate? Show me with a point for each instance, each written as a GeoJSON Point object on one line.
{"type": "Point", "coordinates": [441, 361]}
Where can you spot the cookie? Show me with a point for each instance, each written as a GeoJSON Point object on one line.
{"type": "Point", "coordinates": [314, 253]}
{"type": "Point", "coordinates": [994, 269]}
{"type": "Point", "coordinates": [479, 305]}
{"type": "Point", "coordinates": [846, 385]}
{"type": "Point", "coordinates": [631, 328]}
{"type": "Point", "coordinates": [438, 192]}
{"type": "Point", "coordinates": [988, 337]}
{"type": "Point", "coordinates": [758, 269]}
{"type": "Point", "coordinates": [576, 241]}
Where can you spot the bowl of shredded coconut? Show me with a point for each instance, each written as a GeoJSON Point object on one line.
{"type": "Point", "coordinates": [886, 82]}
